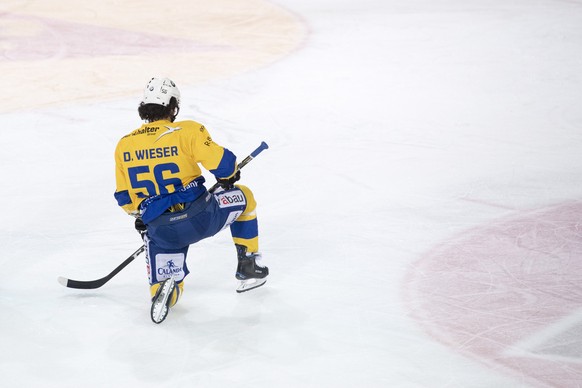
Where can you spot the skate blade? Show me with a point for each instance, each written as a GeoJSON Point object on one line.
{"type": "Point", "coordinates": [160, 307]}
{"type": "Point", "coordinates": [250, 284]}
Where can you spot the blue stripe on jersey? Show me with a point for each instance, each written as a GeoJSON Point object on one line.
{"type": "Point", "coordinates": [227, 165]}
{"type": "Point", "coordinates": [122, 198]}
{"type": "Point", "coordinates": [245, 229]}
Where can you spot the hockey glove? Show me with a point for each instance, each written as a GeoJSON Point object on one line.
{"type": "Point", "coordinates": [140, 227]}
{"type": "Point", "coordinates": [228, 183]}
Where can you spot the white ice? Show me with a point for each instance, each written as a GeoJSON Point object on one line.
{"type": "Point", "coordinates": [394, 127]}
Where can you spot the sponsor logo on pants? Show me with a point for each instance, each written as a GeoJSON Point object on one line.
{"type": "Point", "coordinates": [235, 198]}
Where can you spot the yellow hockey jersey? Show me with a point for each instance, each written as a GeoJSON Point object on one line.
{"type": "Point", "coordinates": [156, 166]}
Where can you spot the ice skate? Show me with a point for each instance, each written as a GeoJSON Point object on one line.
{"type": "Point", "coordinates": [162, 299]}
{"type": "Point", "coordinates": [249, 270]}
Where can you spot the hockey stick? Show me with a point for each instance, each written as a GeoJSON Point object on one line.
{"type": "Point", "coordinates": [92, 284]}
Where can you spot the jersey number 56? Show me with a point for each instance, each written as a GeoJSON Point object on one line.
{"type": "Point", "coordinates": [159, 184]}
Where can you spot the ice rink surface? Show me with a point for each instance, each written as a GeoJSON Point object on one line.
{"type": "Point", "coordinates": [420, 204]}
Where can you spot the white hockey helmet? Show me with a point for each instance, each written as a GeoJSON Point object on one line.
{"type": "Point", "coordinates": [159, 91]}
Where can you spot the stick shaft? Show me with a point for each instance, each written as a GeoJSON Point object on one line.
{"type": "Point", "coordinates": [244, 162]}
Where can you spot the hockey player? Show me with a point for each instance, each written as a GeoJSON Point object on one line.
{"type": "Point", "coordinates": [159, 181]}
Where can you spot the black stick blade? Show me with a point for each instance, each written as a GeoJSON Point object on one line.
{"type": "Point", "coordinates": [84, 285]}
